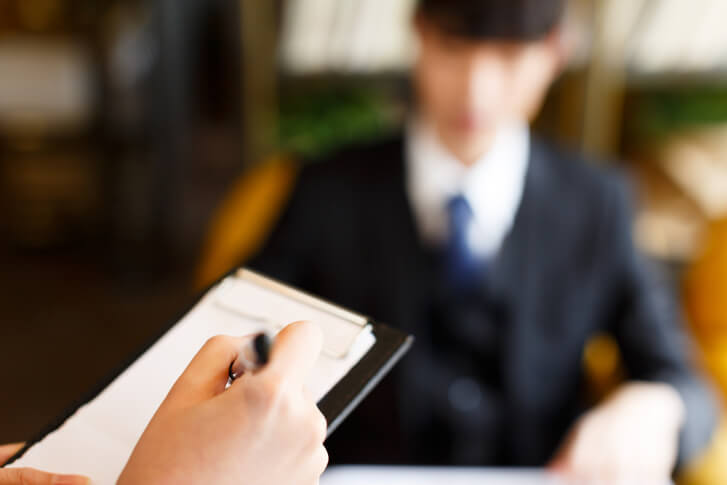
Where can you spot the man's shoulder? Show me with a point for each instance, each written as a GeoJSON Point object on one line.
{"type": "Point", "coordinates": [358, 163]}
{"type": "Point", "coordinates": [332, 191]}
{"type": "Point", "coordinates": [571, 174]}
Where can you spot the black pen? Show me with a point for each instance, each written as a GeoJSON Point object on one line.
{"type": "Point", "coordinates": [253, 355]}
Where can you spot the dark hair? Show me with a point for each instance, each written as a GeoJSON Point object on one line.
{"type": "Point", "coordinates": [515, 20]}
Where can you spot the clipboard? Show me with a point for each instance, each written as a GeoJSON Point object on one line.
{"type": "Point", "coordinates": [357, 353]}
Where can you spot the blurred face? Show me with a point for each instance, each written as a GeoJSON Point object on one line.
{"type": "Point", "coordinates": [467, 89]}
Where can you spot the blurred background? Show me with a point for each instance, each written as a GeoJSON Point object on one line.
{"type": "Point", "coordinates": [133, 131]}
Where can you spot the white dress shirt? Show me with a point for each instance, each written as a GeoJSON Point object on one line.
{"type": "Point", "coordinates": [493, 185]}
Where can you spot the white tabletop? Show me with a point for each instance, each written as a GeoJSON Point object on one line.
{"type": "Point", "coordinates": [366, 475]}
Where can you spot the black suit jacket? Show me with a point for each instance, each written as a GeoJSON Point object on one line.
{"type": "Point", "coordinates": [503, 385]}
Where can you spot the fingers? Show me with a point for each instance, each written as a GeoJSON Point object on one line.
{"type": "Point", "coordinates": [7, 451]}
{"type": "Point", "coordinates": [320, 461]}
{"type": "Point", "coordinates": [319, 429]}
{"type": "Point", "coordinates": [28, 476]}
{"type": "Point", "coordinates": [295, 351]}
{"type": "Point", "coordinates": [601, 449]}
{"type": "Point", "coordinates": [207, 375]}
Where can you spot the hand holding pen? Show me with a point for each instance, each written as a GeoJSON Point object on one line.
{"type": "Point", "coordinates": [261, 429]}
{"type": "Point", "coordinates": [253, 355]}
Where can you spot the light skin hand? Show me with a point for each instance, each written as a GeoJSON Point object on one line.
{"type": "Point", "coordinates": [264, 429]}
{"type": "Point", "coordinates": [27, 476]}
{"type": "Point", "coordinates": [632, 438]}
{"type": "Point", "coordinates": [7, 451]}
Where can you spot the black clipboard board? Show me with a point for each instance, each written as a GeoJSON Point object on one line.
{"type": "Point", "coordinates": [390, 346]}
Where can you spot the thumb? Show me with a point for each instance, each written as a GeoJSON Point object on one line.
{"type": "Point", "coordinates": [295, 351]}
{"type": "Point", "coordinates": [560, 461]}
{"type": "Point", "coordinates": [28, 476]}
{"type": "Point", "coordinates": [7, 451]}
{"type": "Point", "coordinates": [206, 376]}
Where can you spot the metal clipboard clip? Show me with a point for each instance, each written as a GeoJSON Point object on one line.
{"type": "Point", "coordinates": [274, 305]}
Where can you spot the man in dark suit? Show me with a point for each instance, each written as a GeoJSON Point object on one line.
{"type": "Point", "coordinates": [504, 255]}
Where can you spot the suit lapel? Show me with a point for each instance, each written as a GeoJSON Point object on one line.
{"type": "Point", "coordinates": [518, 272]}
{"type": "Point", "coordinates": [396, 242]}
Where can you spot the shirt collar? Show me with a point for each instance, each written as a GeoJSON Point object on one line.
{"type": "Point", "coordinates": [493, 185]}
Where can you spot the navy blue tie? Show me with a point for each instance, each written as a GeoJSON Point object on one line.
{"type": "Point", "coordinates": [464, 268]}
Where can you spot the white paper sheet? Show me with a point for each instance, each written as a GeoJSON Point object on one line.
{"type": "Point", "coordinates": [386, 475]}
{"type": "Point", "coordinates": [98, 439]}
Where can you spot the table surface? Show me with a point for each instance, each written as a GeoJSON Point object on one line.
{"type": "Point", "coordinates": [360, 475]}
